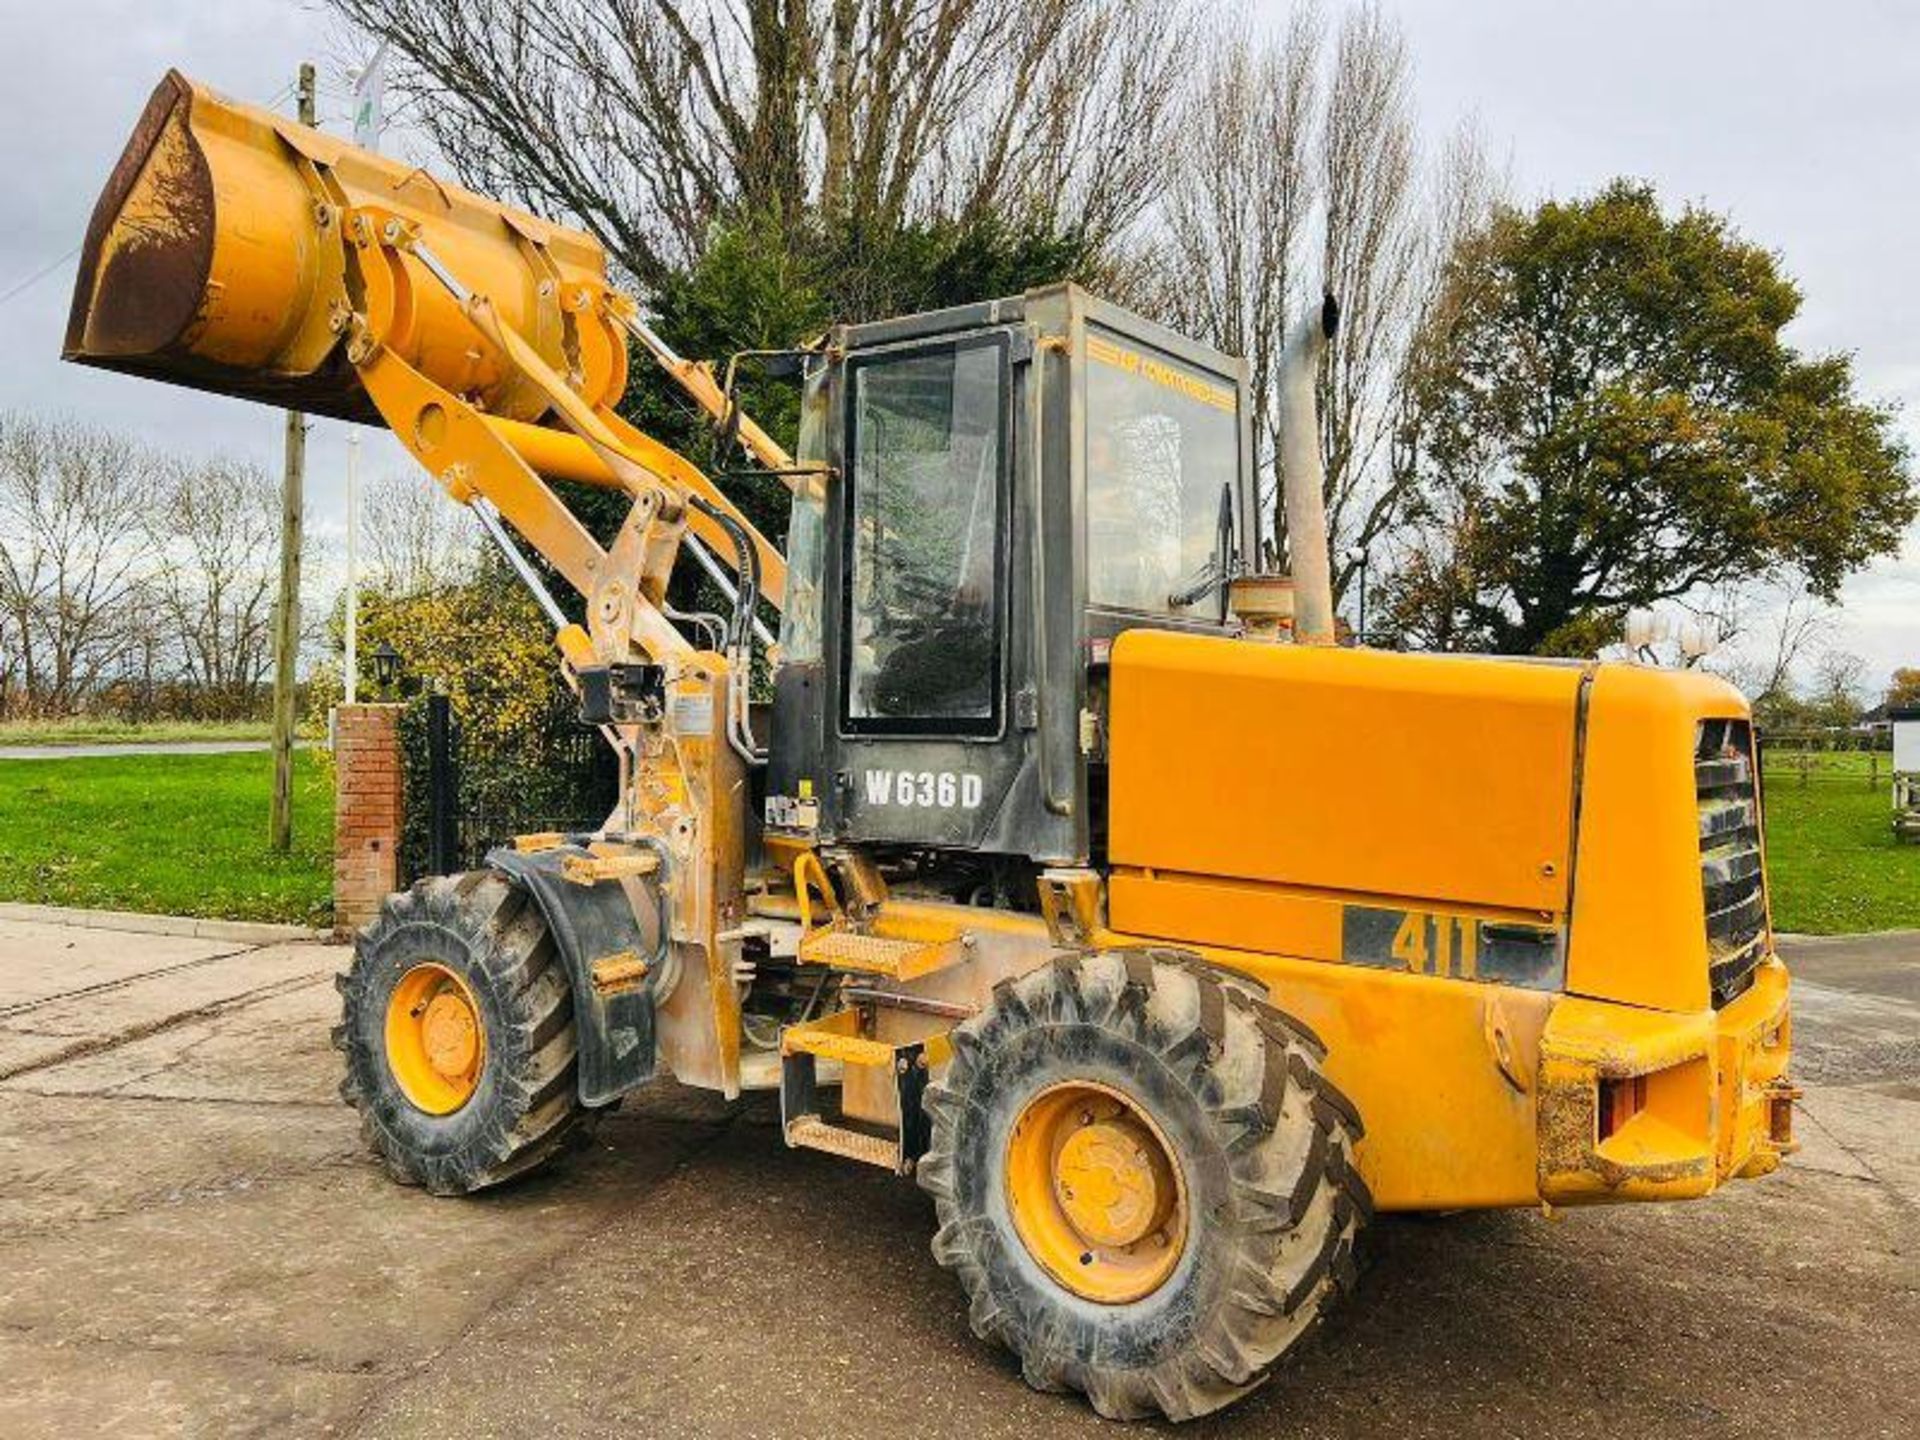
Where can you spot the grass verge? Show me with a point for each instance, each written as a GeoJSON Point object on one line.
{"type": "Point", "coordinates": [1832, 861]}
{"type": "Point", "coordinates": [165, 834]}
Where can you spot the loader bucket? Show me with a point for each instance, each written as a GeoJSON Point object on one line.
{"type": "Point", "coordinates": [222, 255]}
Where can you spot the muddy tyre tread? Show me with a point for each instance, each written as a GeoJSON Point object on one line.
{"type": "Point", "coordinates": [527, 1108]}
{"type": "Point", "coordinates": [1279, 1247]}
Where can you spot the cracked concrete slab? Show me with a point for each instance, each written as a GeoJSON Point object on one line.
{"type": "Point", "coordinates": [23, 1050]}
{"type": "Point", "coordinates": [270, 1048]}
{"type": "Point", "coordinates": [1880, 1131]}
{"type": "Point", "coordinates": [38, 959]}
{"type": "Point", "coordinates": [60, 1155]}
{"type": "Point", "coordinates": [1846, 1037]}
{"type": "Point", "coordinates": [137, 1001]}
{"type": "Point", "coordinates": [1820, 1149]}
{"type": "Point", "coordinates": [335, 1267]}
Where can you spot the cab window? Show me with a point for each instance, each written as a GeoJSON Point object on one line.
{"type": "Point", "coordinates": [801, 639]}
{"type": "Point", "coordinates": [1163, 446]}
{"type": "Point", "coordinates": [924, 541]}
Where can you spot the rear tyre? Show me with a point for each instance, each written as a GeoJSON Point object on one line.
{"type": "Point", "coordinates": [457, 1027]}
{"type": "Point", "coordinates": [1144, 1180]}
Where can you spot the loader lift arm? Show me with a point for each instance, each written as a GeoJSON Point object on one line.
{"type": "Point", "coordinates": [472, 455]}
{"type": "Point", "coordinates": [236, 251]}
{"type": "Point", "coordinates": [512, 345]}
{"type": "Point", "coordinates": [694, 775]}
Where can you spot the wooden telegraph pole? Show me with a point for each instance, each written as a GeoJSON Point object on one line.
{"type": "Point", "coordinates": [286, 620]}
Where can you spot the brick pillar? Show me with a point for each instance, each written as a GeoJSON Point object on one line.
{"type": "Point", "coordinates": [369, 801]}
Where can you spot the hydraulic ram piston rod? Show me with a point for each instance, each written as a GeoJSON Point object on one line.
{"type": "Point", "coordinates": [490, 521]}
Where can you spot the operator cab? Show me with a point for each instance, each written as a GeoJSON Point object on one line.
{"type": "Point", "coordinates": [1011, 485]}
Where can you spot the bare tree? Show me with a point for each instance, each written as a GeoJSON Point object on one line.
{"type": "Point", "coordinates": [647, 119]}
{"type": "Point", "coordinates": [1238, 210]}
{"type": "Point", "coordinates": [1370, 242]}
{"type": "Point", "coordinates": [70, 554]}
{"type": "Point", "coordinates": [1298, 168]}
{"type": "Point", "coordinates": [215, 533]}
{"type": "Point", "coordinates": [1839, 679]}
{"type": "Point", "coordinates": [1392, 223]}
{"type": "Point", "coordinates": [414, 541]}
{"type": "Point", "coordinates": [1458, 192]}
{"type": "Point", "coordinates": [1796, 624]}
{"type": "Point", "coordinates": [13, 659]}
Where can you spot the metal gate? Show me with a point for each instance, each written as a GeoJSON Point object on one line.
{"type": "Point", "coordinates": [465, 796]}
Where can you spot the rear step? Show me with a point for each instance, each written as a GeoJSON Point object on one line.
{"type": "Point", "coordinates": [810, 1132]}
{"type": "Point", "coordinates": [841, 1036]}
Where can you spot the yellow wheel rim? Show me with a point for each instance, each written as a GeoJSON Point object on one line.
{"type": "Point", "coordinates": [436, 1044]}
{"type": "Point", "coordinates": [1095, 1193]}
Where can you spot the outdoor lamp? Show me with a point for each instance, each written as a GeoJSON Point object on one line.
{"type": "Point", "coordinates": [386, 667]}
{"type": "Point", "coordinates": [1357, 556]}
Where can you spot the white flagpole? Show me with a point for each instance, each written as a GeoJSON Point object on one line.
{"type": "Point", "coordinates": [369, 105]}
{"type": "Point", "coordinates": [353, 564]}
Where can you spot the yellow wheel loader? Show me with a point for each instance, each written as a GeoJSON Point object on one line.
{"type": "Point", "coordinates": [1161, 954]}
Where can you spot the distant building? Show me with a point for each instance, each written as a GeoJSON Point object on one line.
{"type": "Point", "coordinates": [1906, 771]}
{"type": "Point", "coordinates": [1905, 724]}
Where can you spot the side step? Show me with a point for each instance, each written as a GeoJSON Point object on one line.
{"type": "Point", "coordinates": [893, 947]}
{"type": "Point", "coordinates": [841, 1036]}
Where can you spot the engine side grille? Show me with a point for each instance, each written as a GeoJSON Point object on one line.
{"type": "Point", "coordinates": [1731, 873]}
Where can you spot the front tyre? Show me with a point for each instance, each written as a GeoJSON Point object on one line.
{"type": "Point", "coordinates": [1144, 1180]}
{"type": "Point", "coordinates": [457, 1027]}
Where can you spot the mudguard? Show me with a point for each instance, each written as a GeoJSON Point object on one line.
{"type": "Point", "coordinates": [613, 1023]}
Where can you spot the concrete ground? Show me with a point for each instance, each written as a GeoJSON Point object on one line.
{"type": "Point", "coordinates": [193, 1242]}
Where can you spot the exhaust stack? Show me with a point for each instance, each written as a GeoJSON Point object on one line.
{"type": "Point", "coordinates": [1303, 476]}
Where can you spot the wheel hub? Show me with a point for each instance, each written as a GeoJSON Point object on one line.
{"type": "Point", "coordinates": [1094, 1192]}
{"type": "Point", "coordinates": [436, 1045]}
{"type": "Point", "coordinates": [1111, 1178]}
{"type": "Point", "coordinates": [450, 1034]}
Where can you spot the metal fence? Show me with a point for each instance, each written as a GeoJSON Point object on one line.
{"type": "Point", "coordinates": [1869, 769]}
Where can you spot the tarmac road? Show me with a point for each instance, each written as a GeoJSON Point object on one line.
{"type": "Point", "coordinates": [139, 747]}
{"type": "Point", "coordinates": [192, 1241]}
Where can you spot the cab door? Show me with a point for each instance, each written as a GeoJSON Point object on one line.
{"type": "Point", "coordinates": [926, 533]}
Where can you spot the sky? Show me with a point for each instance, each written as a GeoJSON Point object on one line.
{"type": "Point", "coordinates": [1797, 121]}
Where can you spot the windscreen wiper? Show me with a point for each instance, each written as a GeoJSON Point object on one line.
{"type": "Point", "coordinates": [1221, 567]}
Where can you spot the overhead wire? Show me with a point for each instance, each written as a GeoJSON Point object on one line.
{"type": "Point", "coordinates": [20, 287]}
